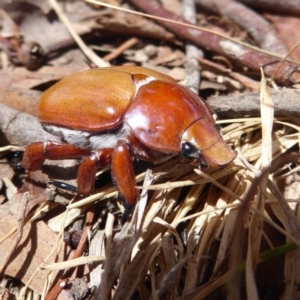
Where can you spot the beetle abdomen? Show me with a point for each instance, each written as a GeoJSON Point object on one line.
{"type": "Point", "coordinates": [87, 139]}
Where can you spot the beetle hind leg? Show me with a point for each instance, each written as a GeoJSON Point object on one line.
{"type": "Point", "coordinates": [122, 172]}
{"type": "Point", "coordinates": [36, 153]}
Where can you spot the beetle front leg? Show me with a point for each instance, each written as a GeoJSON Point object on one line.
{"type": "Point", "coordinates": [36, 153]}
{"type": "Point", "coordinates": [122, 172]}
{"type": "Point", "coordinates": [89, 167]}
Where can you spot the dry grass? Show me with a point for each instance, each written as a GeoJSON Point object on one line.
{"type": "Point", "coordinates": [216, 233]}
{"type": "Point", "coordinates": [200, 230]}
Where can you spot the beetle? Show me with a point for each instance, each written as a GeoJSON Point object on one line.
{"type": "Point", "coordinates": [108, 116]}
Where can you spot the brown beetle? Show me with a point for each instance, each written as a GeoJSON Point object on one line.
{"type": "Point", "coordinates": [111, 115]}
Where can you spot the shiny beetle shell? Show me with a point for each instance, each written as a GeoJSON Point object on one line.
{"type": "Point", "coordinates": [93, 100]}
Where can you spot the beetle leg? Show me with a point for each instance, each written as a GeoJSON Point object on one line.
{"type": "Point", "coordinates": [122, 172]}
{"type": "Point", "coordinates": [64, 186]}
{"type": "Point", "coordinates": [36, 153]}
{"type": "Point", "coordinates": [89, 167]}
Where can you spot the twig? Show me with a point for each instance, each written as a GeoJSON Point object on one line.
{"type": "Point", "coordinates": [128, 44]}
{"type": "Point", "coordinates": [222, 70]}
{"type": "Point", "coordinates": [20, 128]}
{"type": "Point", "coordinates": [261, 30]}
{"type": "Point", "coordinates": [247, 104]}
{"type": "Point", "coordinates": [120, 22]}
{"type": "Point", "coordinates": [283, 6]}
{"type": "Point", "coordinates": [192, 52]}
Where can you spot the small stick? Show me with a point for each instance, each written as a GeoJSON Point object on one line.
{"type": "Point", "coordinates": [118, 51]}
{"type": "Point", "coordinates": [259, 28]}
{"type": "Point", "coordinates": [57, 288]}
{"type": "Point", "coordinates": [192, 52]}
{"type": "Point", "coordinates": [283, 6]}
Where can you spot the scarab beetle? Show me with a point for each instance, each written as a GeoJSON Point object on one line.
{"type": "Point", "coordinates": [110, 115]}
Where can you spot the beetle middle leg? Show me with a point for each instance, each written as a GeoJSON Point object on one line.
{"type": "Point", "coordinates": [36, 153]}
{"type": "Point", "coordinates": [89, 167]}
{"type": "Point", "coordinates": [122, 172]}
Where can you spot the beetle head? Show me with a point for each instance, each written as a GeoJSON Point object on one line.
{"type": "Point", "coordinates": [202, 142]}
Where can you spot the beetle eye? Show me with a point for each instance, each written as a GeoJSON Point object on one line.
{"type": "Point", "coordinates": [189, 151]}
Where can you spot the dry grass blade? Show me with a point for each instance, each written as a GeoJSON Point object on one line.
{"type": "Point", "coordinates": [256, 224]}
{"type": "Point", "coordinates": [74, 262]}
{"type": "Point", "coordinates": [87, 51]}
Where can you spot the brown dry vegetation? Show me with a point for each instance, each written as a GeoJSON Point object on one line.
{"type": "Point", "coordinates": [227, 233]}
